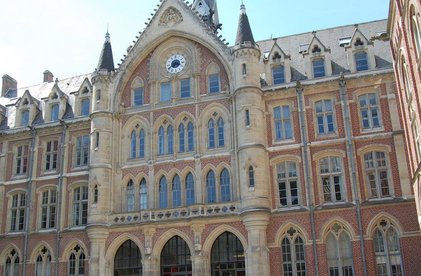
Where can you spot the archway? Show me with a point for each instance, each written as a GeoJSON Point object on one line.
{"type": "Point", "coordinates": [227, 256]}
{"type": "Point", "coordinates": [176, 258]}
{"type": "Point", "coordinates": [128, 260]}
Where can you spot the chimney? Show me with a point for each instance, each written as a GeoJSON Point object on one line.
{"type": "Point", "coordinates": [8, 83]}
{"type": "Point", "coordinates": [48, 76]}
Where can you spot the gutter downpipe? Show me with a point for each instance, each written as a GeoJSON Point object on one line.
{"type": "Point", "coordinates": [351, 153]}
{"type": "Point", "coordinates": [59, 196]}
{"type": "Point", "coordinates": [300, 95]}
{"type": "Point", "coordinates": [28, 199]}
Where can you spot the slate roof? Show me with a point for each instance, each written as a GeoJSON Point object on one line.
{"type": "Point", "coordinates": [330, 38]}
{"type": "Point", "coordinates": [106, 60]}
{"type": "Point", "coordinates": [244, 33]}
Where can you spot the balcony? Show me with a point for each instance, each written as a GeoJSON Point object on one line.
{"type": "Point", "coordinates": [221, 209]}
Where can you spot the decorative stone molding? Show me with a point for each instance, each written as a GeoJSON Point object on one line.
{"type": "Point", "coordinates": [170, 17]}
{"type": "Point", "coordinates": [149, 232]}
{"type": "Point", "coordinates": [198, 229]}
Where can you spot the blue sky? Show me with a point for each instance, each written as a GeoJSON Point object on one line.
{"type": "Point", "coordinates": [66, 36]}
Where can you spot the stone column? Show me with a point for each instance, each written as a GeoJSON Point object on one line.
{"type": "Point", "coordinates": [98, 236]}
{"type": "Point", "coordinates": [198, 261]}
{"type": "Point", "coordinates": [257, 252]}
{"type": "Point", "coordinates": [149, 262]}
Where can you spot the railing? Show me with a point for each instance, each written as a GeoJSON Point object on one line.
{"type": "Point", "coordinates": [221, 209]}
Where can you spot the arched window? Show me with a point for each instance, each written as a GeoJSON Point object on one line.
{"type": "Point", "coordinates": [143, 195]}
{"type": "Point", "coordinates": [12, 264]}
{"type": "Point", "coordinates": [43, 264]}
{"type": "Point", "coordinates": [210, 187]}
{"type": "Point", "coordinates": [130, 196]}
{"type": "Point", "coordinates": [176, 192]}
{"type": "Point", "coordinates": [251, 177]}
{"type": "Point", "coordinates": [331, 177]}
{"type": "Point", "coordinates": [224, 180]}
{"type": "Point", "coordinates": [386, 248]}
{"type": "Point", "coordinates": [221, 139]}
{"type": "Point", "coordinates": [142, 144]}
{"type": "Point", "coordinates": [163, 193]}
{"type": "Point", "coordinates": [76, 265]}
{"type": "Point", "coordinates": [339, 252]}
{"type": "Point", "coordinates": [227, 256]}
{"type": "Point", "coordinates": [161, 141]}
{"type": "Point", "coordinates": [190, 137]}
{"type": "Point", "coordinates": [54, 112]}
{"type": "Point", "coordinates": [406, 83]}
{"type": "Point", "coordinates": [415, 32]}
{"type": "Point", "coordinates": [293, 254]}
{"type": "Point", "coordinates": [128, 260]}
{"type": "Point", "coordinates": [376, 171]}
{"type": "Point", "coordinates": [133, 145]}
{"type": "Point", "coordinates": [176, 258]}
{"type": "Point", "coordinates": [190, 189]}
{"type": "Point", "coordinates": [211, 134]}
{"type": "Point", "coordinates": [170, 140]}
{"type": "Point", "coordinates": [361, 61]}
{"type": "Point", "coordinates": [181, 140]}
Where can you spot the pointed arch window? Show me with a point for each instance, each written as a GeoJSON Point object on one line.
{"type": "Point", "coordinates": [130, 193]}
{"type": "Point", "coordinates": [138, 96]}
{"type": "Point", "coordinates": [221, 139]}
{"type": "Point", "coordinates": [211, 134]}
{"type": "Point", "coordinates": [12, 264]}
{"type": "Point", "coordinates": [210, 187]}
{"type": "Point", "coordinates": [133, 145]}
{"type": "Point", "coordinates": [293, 254]}
{"type": "Point", "coordinates": [415, 31]}
{"type": "Point", "coordinates": [251, 176]}
{"type": "Point", "coordinates": [176, 258]}
{"type": "Point", "coordinates": [43, 264]}
{"type": "Point", "coordinates": [170, 139]}
{"type": "Point", "coordinates": [143, 195]}
{"type": "Point", "coordinates": [386, 248]}
{"type": "Point", "coordinates": [161, 141]}
{"type": "Point", "coordinates": [339, 252]}
{"type": "Point", "coordinates": [225, 186]}
{"type": "Point", "coordinates": [176, 192]}
{"type": "Point", "coordinates": [181, 140]}
{"type": "Point", "coordinates": [190, 136]}
{"type": "Point", "coordinates": [214, 83]}
{"type": "Point", "coordinates": [128, 259]}
{"type": "Point", "coordinates": [142, 144]}
{"type": "Point", "coordinates": [190, 198]}
{"type": "Point", "coordinates": [227, 256]}
{"type": "Point", "coordinates": [163, 193]}
{"type": "Point", "coordinates": [76, 265]}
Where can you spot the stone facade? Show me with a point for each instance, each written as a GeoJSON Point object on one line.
{"type": "Point", "coordinates": [258, 159]}
{"type": "Point", "coordinates": [405, 40]}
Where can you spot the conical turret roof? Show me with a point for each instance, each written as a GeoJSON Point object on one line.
{"type": "Point", "coordinates": [106, 61]}
{"type": "Point", "coordinates": [244, 33]}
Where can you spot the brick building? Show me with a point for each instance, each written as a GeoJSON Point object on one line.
{"type": "Point", "coordinates": [276, 157]}
{"type": "Point", "coordinates": [405, 40]}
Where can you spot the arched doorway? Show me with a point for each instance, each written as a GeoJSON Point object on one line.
{"type": "Point", "coordinates": [128, 260]}
{"type": "Point", "coordinates": [227, 256]}
{"type": "Point", "coordinates": [176, 258]}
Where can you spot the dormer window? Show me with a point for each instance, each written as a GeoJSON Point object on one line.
{"type": "Point", "coordinates": [54, 112]}
{"type": "Point", "coordinates": [24, 119]}
{"type": "Point", "coordinates": [278, 74]}
{"type": "Point", "coordinates": [319, 68]}
{"type": "Point", "coordinates": [361, 61]}
{"type": "Point", "coordinates": [85, 106]}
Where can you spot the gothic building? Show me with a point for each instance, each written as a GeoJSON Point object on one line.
{"type": "Point", "coordinates": [278, 157]}
{"type": "Point", "coordinates": [405, 40]}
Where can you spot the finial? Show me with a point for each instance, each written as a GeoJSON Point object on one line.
{"type": "Point", "coordinates": [242, 8]}
{"type": "Point", "coordinates": [107, 36]}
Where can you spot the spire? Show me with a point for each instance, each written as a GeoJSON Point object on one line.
{"type": "Point", "coordinates": [244, 34]}
{"type": "Point", "coordinates": [106, 60]}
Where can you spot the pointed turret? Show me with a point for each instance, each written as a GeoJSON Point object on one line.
{"type": "Point", "coordinates": [106, 61]}
{"type": "Point", "coordinates": [244, 34]}
{"type": "Point", "coordinates": [208, 9]}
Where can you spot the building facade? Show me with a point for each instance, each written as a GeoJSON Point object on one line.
{"type": "Point", "coordinates": [405, 41]}
{"type": "Point", "coordinates": [278, 157]}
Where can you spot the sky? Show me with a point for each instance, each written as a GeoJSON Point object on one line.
{"type": "Point", "coordinates": [66, 36]}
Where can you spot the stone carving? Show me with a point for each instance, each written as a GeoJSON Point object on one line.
{"type": "Point", "coordinates": [171, 17]}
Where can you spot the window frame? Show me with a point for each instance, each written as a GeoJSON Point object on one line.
{"type": "Point", "coordinates": [82, 151]}
{"type": "Point", "coordinates": [18, 214]}
{"type": "Point", "coordinates": [336, 236]}
{"type": "Point", "coordinates": [48, 209]}
{"type": "Point", "coordinates": [316, 68]}
{"type": "Point", "coordinates": [276, 80]}
{"type": "Point", "coordinates": [22, 160]}
{"type": "Point", "coordinates": [214, 83]}
{"type": "Point", "coordinates": [289, 178]}
{"type": "Point", "coordinates": [361, 61]}
{"type": "Point", "coordinates": [51, 155]}
{"type": "Point", "coordinates": [165, 92]}
{"type": "Point", "coordinates": [280, 124]}
{"type": "Point", "coordinates": [138, 96]}
{"type": "Point", "coordinates": [372, 167]}
{"type": "Point", "coordinates": [290, 255]}
{"type": "Point", "coordinates": [331, 174]}
{"type": "Point", "coordinates": [324, 114]}
{"type": "Point", "coordinates": [79, 206]}
{"type": "Point", "coordinates": [79, 262]}
{"type": "Point", "coordinates": [369, 108]}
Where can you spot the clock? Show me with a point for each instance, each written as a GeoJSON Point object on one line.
{"type": "Point", "coordinates": [175, 63]}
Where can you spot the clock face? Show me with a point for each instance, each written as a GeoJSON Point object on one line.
{"type": "Point", "coordinates": [175, 63]}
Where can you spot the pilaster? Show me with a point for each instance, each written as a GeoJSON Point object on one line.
{"type": "Point", "coordinates": [98, 236]}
